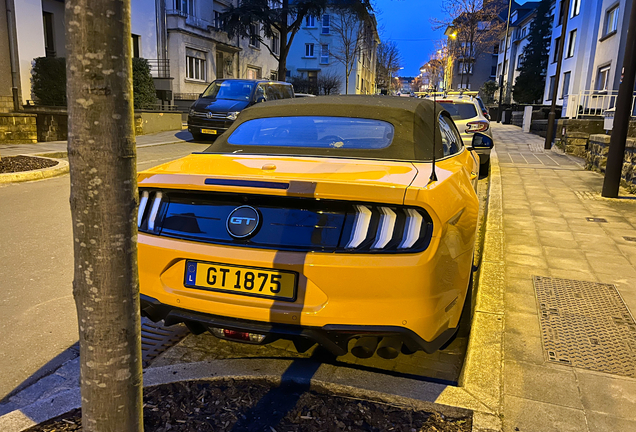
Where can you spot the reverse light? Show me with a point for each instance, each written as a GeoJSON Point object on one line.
{"type": "Point", "coordinates": [142, 207]}
{"type": "Point", "coordinates": [232, 115]}
{"type": "Point", "coordinates": [477, 126]}
{"type": "Point", "coordinates": [412, 229]}
{"type": "Point", "coordinates": [360, 226]}
{"type": "Point", "coordinates": [385, 228]}
{"type": "Point", "coordinates": [154, 210]}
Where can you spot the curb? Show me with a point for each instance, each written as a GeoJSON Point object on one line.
{"type": "Point", "coordinates": [64, 154]}
{"type": "Point", "coordinates": [482, 372]}
{"type": "Point", "coordinates": [325, 378]}
{"type": "Point", "coordinates": [59, 169]}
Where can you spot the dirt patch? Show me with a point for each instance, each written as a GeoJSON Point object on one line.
{"type": "Point", "coordinates": [258, 406]}
{"type": "Point", "coordinates": [12, 164]}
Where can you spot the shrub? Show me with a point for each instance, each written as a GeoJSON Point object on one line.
{"type": "Point", "coordinates": [48, 81]}
{"type": "Point", "coordinates": [143, 85]}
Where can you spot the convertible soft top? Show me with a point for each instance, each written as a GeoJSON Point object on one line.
{"type": "Point", "coordinates": [412, 119]}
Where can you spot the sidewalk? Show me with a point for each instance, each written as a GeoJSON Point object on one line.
{"type": "Point", "coordinates": [569, 347]}
{"type": "Point", "coordinates": [54, 148]}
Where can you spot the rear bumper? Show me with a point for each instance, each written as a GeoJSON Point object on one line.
{"type": "Point", "coordinates": [334, 338]}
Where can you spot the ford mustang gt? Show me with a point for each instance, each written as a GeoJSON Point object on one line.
{"type": "Point", "coordinates": [344, 221]}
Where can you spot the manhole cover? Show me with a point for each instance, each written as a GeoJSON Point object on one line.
{"type": "Point", "coordinates": [586, 325]}
{"type": "Point", "coordinates": [591, 219]}
{"type": "Point", "coordinates": [155, 339]}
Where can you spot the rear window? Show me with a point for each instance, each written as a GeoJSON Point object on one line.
{"type": "Point", "coordinates": [460, 111]}
{"type": "Point", "coordinates": [314, 132]}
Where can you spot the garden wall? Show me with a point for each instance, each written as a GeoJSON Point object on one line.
{"type": "Point", "coordinates": [596, 157]}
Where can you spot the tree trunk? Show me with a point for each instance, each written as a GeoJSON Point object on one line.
{"type": "Point", "coordinates": [102, 159]}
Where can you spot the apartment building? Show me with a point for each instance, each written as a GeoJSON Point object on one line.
{"type": "Point", "coordinates": [521, 17]}
{"type": "Point", "coordinates": [317, 47]}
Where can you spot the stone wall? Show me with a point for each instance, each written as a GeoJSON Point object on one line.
{"type": "Point", "coordinates": [596, 158]}
{"type": "Point", "coordinates": [18, 128]}
{"type": "Point", "coordinates": [573, 135]}
{"type": "Point", "coordinates": [52, 127]}
{"type": "Point", "coordinates": [6, 104]}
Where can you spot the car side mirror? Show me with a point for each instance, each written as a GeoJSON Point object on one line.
{"type": "Point", "coordinates": [260, 99]}
{"type": "Point", "coordinates": [481, 141]}
{"type": "Point", "coordinates": [200, 95]}
{"type": "Point", "coordinates": [487, 116]}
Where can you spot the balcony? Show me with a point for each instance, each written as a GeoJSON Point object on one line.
{"type": "Point", "coordinates": [159, 68]}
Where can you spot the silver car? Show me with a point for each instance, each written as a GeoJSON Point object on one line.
{"type": "Point", "coordinates": [469, 118]}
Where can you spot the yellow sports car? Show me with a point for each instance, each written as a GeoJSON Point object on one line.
{"type": "Point", "coordinates": [320, 220]}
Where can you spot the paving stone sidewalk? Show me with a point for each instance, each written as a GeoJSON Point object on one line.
{"type": "Point", "coordinates": [547, 198]}
{"type": "Point", "coordinates": [160, 138]}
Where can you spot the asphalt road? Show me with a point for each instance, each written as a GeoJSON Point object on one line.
{"type": "Point", "coordinates": [37, 313]}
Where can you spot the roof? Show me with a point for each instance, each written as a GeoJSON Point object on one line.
{"type": "Point", "coordinates": [412, 120]}
{"type": "Point", "coordinates": [253, 80]}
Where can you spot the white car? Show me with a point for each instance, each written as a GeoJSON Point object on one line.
{"type": "Point", "coordinates": [469, 118]}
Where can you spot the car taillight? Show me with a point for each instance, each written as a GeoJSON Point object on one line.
{"type": "Point", "coordinates": [149, 207]}
{"type": "Point", "coordinates": [477, 126]}
{"type": "Point", "coordinates": [385, 229]}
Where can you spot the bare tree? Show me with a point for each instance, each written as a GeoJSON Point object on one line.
{"type": "Point", "coordinates": [102, 159]}
{"type": "Point", "coordinates": [389, 61]}
{"type": "Point", "coordinates": [475, 27]}
{"type": "Point", "coordinates": [348, 29]}
{"type": "Point", "coordinates": [328, 82]}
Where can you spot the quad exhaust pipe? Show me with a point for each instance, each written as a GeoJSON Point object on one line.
{"type": "Point", "coordinates": [387, 348]}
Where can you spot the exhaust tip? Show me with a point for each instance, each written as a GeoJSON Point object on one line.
{"type": "Point", "coordinates": [389, 348]}
{"type": "Point", "coordinates": [365, 347]}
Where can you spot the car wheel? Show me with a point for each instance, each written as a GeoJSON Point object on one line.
{"type": "Point", "coordinates": [198, 136]}
{"type": "Point", "coordinates": [484, 168]}
{"type": "Point", "coordinates": [465, 320]}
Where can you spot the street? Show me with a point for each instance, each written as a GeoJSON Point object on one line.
{"type": "Point", "coordinates": [37, 308]}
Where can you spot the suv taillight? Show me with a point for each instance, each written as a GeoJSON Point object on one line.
{"type": "Point", "coordinates": [477, 126]}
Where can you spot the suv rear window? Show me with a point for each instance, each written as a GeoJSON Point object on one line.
{"type": "Point", "coordinates": [460, 111]}
{"type": "Point", "coordinates": [314, 132]}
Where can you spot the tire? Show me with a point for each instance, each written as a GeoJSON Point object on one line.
{"type": "Point", "coordinates": [197, 136]}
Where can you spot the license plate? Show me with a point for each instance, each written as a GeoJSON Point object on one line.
{"type": "Point", "coordinates": [209, 131]}
{"type": "Point", "coordinates": [249, 281]}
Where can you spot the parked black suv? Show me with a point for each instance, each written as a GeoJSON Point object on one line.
{"type": "Point", "coordinates": [220, 103]}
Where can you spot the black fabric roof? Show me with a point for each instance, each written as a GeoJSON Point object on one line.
{"type": "Point", "coordinates": [412, 120]}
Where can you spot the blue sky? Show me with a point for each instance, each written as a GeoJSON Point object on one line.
{"type": "Point", "coordinates": [407, 23]}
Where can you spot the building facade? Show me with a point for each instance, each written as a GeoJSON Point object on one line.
{"type": "Point", "coordinates": [317, 48]}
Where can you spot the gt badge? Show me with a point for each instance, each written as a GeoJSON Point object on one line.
{"type": "Point", "coordinates": [242, 222]}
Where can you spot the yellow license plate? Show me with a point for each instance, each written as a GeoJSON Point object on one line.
{"type": "Point", "coordinates": [209, 131]}
{"type": "Point", "coordinates": [249, 281]}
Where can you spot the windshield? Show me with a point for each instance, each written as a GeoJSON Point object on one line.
{"type": "Point", "coordinates": [460, 111]}
{"type": "Point", "coordinates": [232, 90]}
{"type": "Point", "coordinates": [314, 132]}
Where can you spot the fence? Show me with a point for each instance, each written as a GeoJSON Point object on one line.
{"type": "Point", "coordinates": [591, 103]}
{"type": "Point", "coordinates": [159, 68]}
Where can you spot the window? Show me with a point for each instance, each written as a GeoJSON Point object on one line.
{"type": "Point", "coordinates": [460, 111]}
{"type": "Point", "coordinates": [357, 81]}
{"type": "Point", "coordinates": [519, 61]}
{"type": "Point", "coordinates": [49, 39]}
{"type": "Point", "coordinates": [219, 24]}
{"type": "Point", "coordinates": [575, 9]}
{"type": "Point", "coordinates": [309, 50]}
{"type": "Point", "coordinates": [550, 88]}
{"type": "Point", "coordinates": [557, 43]}
{"type": "Point", "coordinates": [571, 44]}
{"type": "Point", "coordinates": [324, 54]}
{"type": "Point", "coordinates": [465, 67]}
{"type": "Point", "coordinates": [195, 65]}
{"type": "Point", "coordinates": [483, 25]}
{"type": "Point", "coordinates": [450, 142]}
{"type": "Point", "coordinates": [253, 72]}
{"type": "Point", "coordinates": [328, 133]}
{"type": "Point", "coordinates": [495, 49]}
{"type": "Point", "coordinates": [254, 34]}
{"type": "Point", "coordinates": [602, 78]}
{"type": "Point", "coordinates": [611, 20]}
{"type": "Point", "coordinates": [237, 90]}
{"type": "Point", "coordinates": [561, 10]}
{"type": "Point", "coordinates": [276, 43]}
{"type": "Point", "coordinates": [493, 71]}
{"type": "Point", "coordinates": [310, 21]}
{"type": "Point", "coordinates": [185, 6]}
{"type": "Point", "coordinates": [566, 85]}
{"type": "Point", "coordinates": [325, 24]}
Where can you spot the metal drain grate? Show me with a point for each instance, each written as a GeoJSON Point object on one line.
{"type": "Point", "coordinates": [155, 339]}
{"type": "Point", "coordinates": [586, 325]}
{"type": "Point", "coordinates": [585, 195]}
